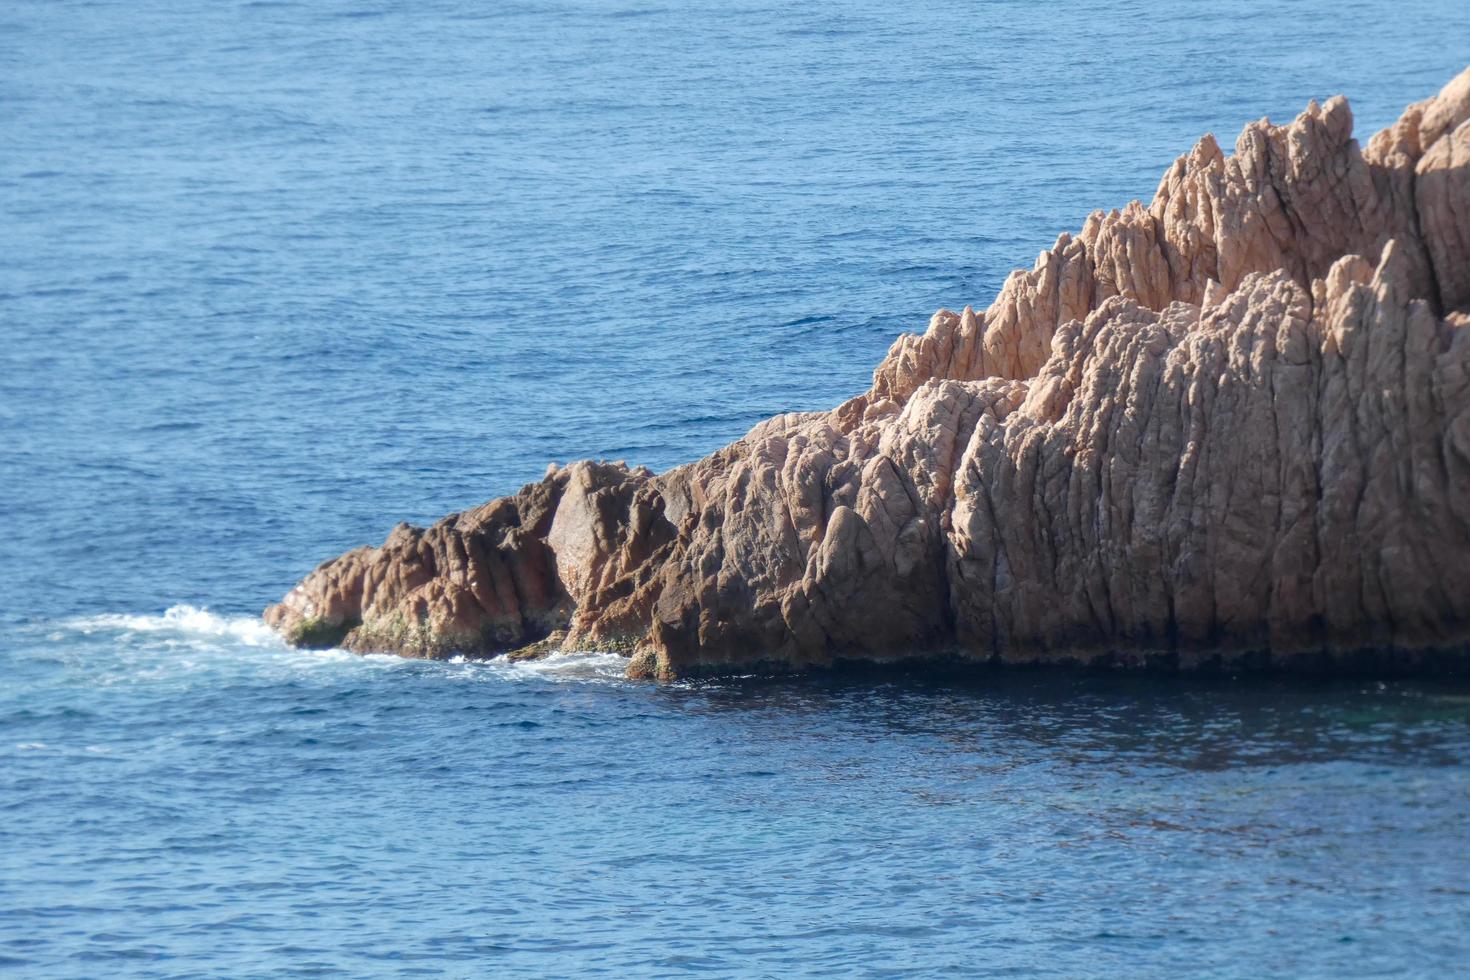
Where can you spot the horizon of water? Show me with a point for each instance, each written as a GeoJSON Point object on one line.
{"type": "Point", "coordinates": [279, 275]}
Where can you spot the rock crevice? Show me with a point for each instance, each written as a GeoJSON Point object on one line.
{"type": "Point", "coordinates": [1229, 427]}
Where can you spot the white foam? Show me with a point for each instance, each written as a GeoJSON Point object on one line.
{"type": "Point", "coordinates": [185, 621]}
{"type": "Point", "coordinates": [185, 639]}
{"type": "Point", "coordinates": [578, 665]}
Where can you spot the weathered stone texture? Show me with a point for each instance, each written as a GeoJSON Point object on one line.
{"type": "Point", "coordinates": [1231, 426]}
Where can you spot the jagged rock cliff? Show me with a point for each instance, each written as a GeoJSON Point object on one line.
{"type": "Point", "coordinates": [1230, 427]}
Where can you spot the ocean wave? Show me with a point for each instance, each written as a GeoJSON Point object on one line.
{"type": "Point", "coordinates": [183, 620]}
{"type": "Point", "coordinates": [191, 631]}
{"type": "Point", "coordinates": [572, 666]}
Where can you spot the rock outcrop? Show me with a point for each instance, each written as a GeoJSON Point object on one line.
{"type": "Point", "coordinates": [1228, 428]}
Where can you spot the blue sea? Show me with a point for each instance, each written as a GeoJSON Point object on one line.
{"type": "Point", "coordinates": [277, 275]}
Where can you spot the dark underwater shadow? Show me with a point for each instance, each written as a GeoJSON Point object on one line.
{"type": "Point", "coordinates": [1195, 721]}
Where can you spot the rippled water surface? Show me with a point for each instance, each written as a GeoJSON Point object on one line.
{"type": "Point", "coordinates": [276, 275]}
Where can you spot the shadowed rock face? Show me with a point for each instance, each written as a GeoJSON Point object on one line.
{"type": "Point", "coordinates": [1230, 427]}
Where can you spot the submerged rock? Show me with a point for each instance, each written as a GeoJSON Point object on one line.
{"type": "Point", "coordinates": [1231, 427]}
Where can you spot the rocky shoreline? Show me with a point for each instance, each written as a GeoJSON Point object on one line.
{"type": "Point", "coordinates": [1228, 428]}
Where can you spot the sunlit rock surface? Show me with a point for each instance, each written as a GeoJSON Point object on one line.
{"type": "Point", "coordinates": [1231, 427]}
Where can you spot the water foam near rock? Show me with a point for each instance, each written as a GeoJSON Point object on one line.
{"type": "Point", "coordinates": [183, 641]}
{"type": "Point", "coordinates": [1231, 427]}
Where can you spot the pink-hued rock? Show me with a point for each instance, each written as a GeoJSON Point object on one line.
{"type": "Point", "coordinates": [1231, 427]}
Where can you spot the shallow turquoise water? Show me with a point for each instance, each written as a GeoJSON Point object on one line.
{"type": "Point", "coordinates": [275, 276]}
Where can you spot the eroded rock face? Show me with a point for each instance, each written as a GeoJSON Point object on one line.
{"type": "Point", "coordinates": [1231, 426]}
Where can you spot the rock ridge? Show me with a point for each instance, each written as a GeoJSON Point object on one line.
{"type": "Point", "coordinates": [1228, 428]}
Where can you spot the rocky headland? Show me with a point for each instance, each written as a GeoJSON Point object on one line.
{"type": "Point", "coordinates": [1227, 428]}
